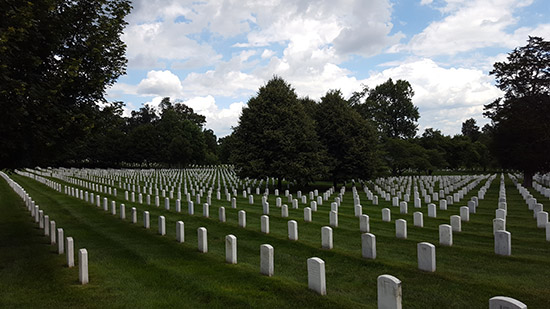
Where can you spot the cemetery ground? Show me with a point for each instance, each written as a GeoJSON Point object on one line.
{"type": "Point", "coordinates": [131, 266]}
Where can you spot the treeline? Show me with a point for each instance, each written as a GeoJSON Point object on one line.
{"type": "Point", "coordinates": [53, 75]}
{"type": "Point", "coordinates": [372, 133]}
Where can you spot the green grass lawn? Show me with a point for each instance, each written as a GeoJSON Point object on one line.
{"type": "Point", "coordinates": [131, 266]}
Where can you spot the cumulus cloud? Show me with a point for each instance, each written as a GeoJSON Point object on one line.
{"type": "Point", "coordinates": [220, 120]}
{"type": "Point", "coordinates": [445, 96]}
{"type": "Point", "coordinates": [473, 24]}
{"type": "Point", "coordinates": [161, 83]}
{"type": "Point", "coordinates": [212, 53]}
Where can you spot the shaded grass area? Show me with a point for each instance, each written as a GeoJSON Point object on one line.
{"type": "Point", "coordinates": [132, 266]}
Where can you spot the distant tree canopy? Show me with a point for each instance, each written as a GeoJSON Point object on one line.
{"type": "Point", "coordinates": [470, 129]}
{"type": "Point", "coordinates": [350, 141]}
{"type": "Point", "coordinates": [521, 120]}
{"type": "Point", "coordinates": [56, 60]}
{"type": "Point", "coordinates": [389, 106]}
{"type": "Point", "coordinates": [58, 57]}
{"type": "Point", "coordinates": [275, 137]}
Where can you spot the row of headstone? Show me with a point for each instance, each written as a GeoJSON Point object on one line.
{"type": "Point", "coordinates": [316, 271]}
{"type": "Point", "coordinates": [65, 245]}
{"type": "Point", "coordinates": [537, 208]}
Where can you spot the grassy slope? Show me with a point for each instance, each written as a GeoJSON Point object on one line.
{"type": "Point", "coordinates": [131, 266]}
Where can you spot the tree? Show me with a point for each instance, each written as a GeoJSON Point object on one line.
{"type": "Point", "coordinates": [521, 119]}
{"type": "Point", "coordinates": [401, 155]}
{"type": "Point", "coordinates": [349, 139]}
{"type": "Point", "coordinates": [56, 60]}
{"type": "Point", "coordinates": [275, 137]}
{"type": "Point", "coordinates": [470, 129]}
{"type": "Point", "coordinates": [390, 107]}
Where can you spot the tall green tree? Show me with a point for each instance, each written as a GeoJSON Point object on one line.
{"type": "Point", "coordinates": [470, 129]}
{"type": "Point", "coordinates": [275, 136]}
{"type": "Point", "coordinates": [521, 119]}
{"type": "Point", "coordinates": [56, 60]}
{"type": "Point", "coordinates": [390, 107]}
{"type": "Point", "coordinates": [349, 139]}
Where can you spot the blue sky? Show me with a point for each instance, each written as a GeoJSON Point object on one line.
{"type": "Point", "coordinates": [214, 55]}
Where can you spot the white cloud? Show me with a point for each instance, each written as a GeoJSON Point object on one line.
{"type": "Point", "coordinates": [161, 83]}
{"type": "Point", "coordinates": [425, 2]}
{"type": "Point", "coordinates": [445, 96]}
{"type": "Point", "coordinates": [220, 120]}
{"type": "Point", "coordinates": [470, 25]}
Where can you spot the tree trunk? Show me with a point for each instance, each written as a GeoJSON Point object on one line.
{"type": "Point", "coordinates": [279, 183]}
{"type": "Point", "coordinates": [528, 179]}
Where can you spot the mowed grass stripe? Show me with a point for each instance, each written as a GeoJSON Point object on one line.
{"type": "Point", "coordinates": [470, 270]}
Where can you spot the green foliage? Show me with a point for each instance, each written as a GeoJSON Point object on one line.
{"type": "Point", "coordinates": [470, 129]}
{"type": "Point", "coordinates": [56, 60]}
{"type": "Point", "coordinates": [275, 136]}
{"type": "Point", "coordinates": [349, 139]}
{"type": "Point", "coordinates": [401, 155]}
{"type": "Point", "coordinates": [521, 120]}
{"type": "Point", "coordinates": [389, 106]}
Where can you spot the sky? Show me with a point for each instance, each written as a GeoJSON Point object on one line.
{"type": "Point", "coordinates": [214, 55]}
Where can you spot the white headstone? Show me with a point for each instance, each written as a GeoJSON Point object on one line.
{"type": "Point", "coordinates": [499, 225]}
{"type": "Point", "coordinates": [418, 219]}
{"type": "Point", "coordinates": [403, 207]}
{"type": "Point", "coordinates": [202, 239]}
{"type": "Point", "coordinates": [122, 211]}
{"type": "Point", "coordinates": [162, 225]}
{"type": "Point", "coordinates": [191, 207]}
{"type": "Point", "coordinates": [307, 214]}
{"type": "Point", "coordinates": [146, 222]}
{"type": "Point", "coordinates": [364, 223]}
{"type": "Point", "coordinates": [231, 249]}
{"type": "Point", "coordinates": [445, 235]}
{"type": "Point", "coordinates": [242, 218]}
{"type": "Point", "coordinates": [386, 215]}
{"type": "Point", "coordinates": [401, 228]}
{"type": "Point", "coordinates": [368, 245]}
{"type": "Point", "coordinates": [83, 266]}
{"type": "Point", "coordinates": [206, 210]}
{"type": "Point", "coordinates": [503, 302]}
{"type": "Point", "coordinates": [456, 223]}
{"type": "Point", "coordinates": [443, 204]}
{"type": "Point", "coordinates": [292, 230]}
{"type": "Point", "coordinates": [358, 210]}
{"type": "Point", "coordinates": [221, 214]}
{"type": "Point", "coordinates": [284, 211]}
{"type": "Point", "coordinates": [426, 256]}
{"type": "Point", "coordinates": [180, 232]}
{"type": "Point", "coordinates": [316, 275]}
{"type": "Point", "coordinates": [264, 224]}
{"type": "Point", "coordinates": [46, 225]}
{"type": "Point", "coordinates": [266, 260]}
{"type": "Point", "coordinates": [69, 244]}
{"type": "Point", "coordinates": [53, 233]}
{"type": "Point", "coordinates": [60, 241]}
{"type": "Point", "coordinates": [389, 292]}
{"type": "Point", "coordinates": [500, 214]}
{"type": "Point", "coordinates": [432, 210]}
{"type": "Point", "coordinates": [542, 219]}
{"type": "Point", "coordinates": [503, 243]}
{"type": "Point", "coordinates": [464, 214]}
{"type": "Point", "coordinates": [326, 237]}
{"type": "Point", "coordinates": [333, 218]}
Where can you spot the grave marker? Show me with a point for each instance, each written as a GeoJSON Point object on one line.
{"type": "Point", "coordinates": [426, 256]}
{"type": "Point", "coordinates": [368, 246]}
{"type": "Point", "coordinates": [316, 275]}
